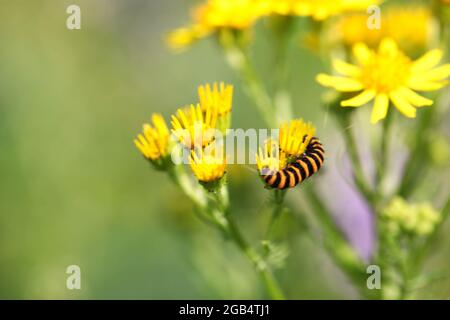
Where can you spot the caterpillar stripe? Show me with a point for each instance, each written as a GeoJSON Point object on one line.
{"type": "Point", "coordinates": [300, 169]}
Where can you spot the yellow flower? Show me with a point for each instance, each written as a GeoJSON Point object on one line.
{"type": "Point", "coordinates": [293, 139]}
{"type": "Point", "coordinates": [183, 37]}
{"type": "Point", "coordinates": [218, 97]}
{"type": "Point", "coordinates": [214, 15]}
{"type": "Point", "coordinates": [270, 158]}
{"type": "Point", "coordinates": [352, 29]}
{"type": "Point", "coordinates": [153, 142]}
{"type": "Point", "coordinates": [233, 14]}
{"type": "Point", "coordinates": [318, 9]}
{"type": "Point", "coordinates": [208, 165]}
{"type": "Point", "coordinates": [295, 136]}
{"type": "Point", "coordinates": [388, 75]}
{"type": "Point", "coordinates": [193, 127]}
{"type": "Point", "coordinates": [410, 26]}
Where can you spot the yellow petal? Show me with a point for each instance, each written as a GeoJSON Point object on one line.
{"type": "Point", "coordinates": [362, 53]}
{"type": "Point", "coordinates": [424, 85]}
{"type": "Point", "coordinates": [339, 83]}
{"type": "Point", "coordinates": [360, 99]}
{"type": "Point", "coordinates": [427, 61]}
{"type": "Point", "coordinates": [345, 68]}
{"type": "Point", "coordinates": [184, 119]}
{"type": "Point", "coordinates": [175, 123]}
{"type": "Point", "coordinates": [437, 74]}
{"type": "Point", "coordinates": [415, 99]}
{"type": "Point", "coordinates": [380, 108]}
{"type": "Point", "coordinates": [388, 47]}
{"type": "Point", "coordinates": [402, 104]}
{"type": "Point", "coordinates": [140, 146]}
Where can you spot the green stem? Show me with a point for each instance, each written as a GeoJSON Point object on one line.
{"type": "Point", "coordinates": [179, 177]}
{"type": "Point", "coordinates": [270, 282]}
{"type": "Point", "coordinates": [382, 165]}
{"type": "Point", "coordinates": [225, 223]}
{"type": "Point", "coordinates": [237, 58]}
{"type": "Point", "coordinates": [182, 180]}
{"type": "Point", "coordinates": [278, 207]}
{"type": "Point", "coordinates": [337, 245]}
{"type": "Point", "coordinates": [282, 30]}
{"type": "Point", "coordinates": [358, 172]}
{"type": "Point", "coordinates": [414, 167]}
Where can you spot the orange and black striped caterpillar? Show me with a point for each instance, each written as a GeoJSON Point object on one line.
{"type": "Point", "coordinates": [300, 169]}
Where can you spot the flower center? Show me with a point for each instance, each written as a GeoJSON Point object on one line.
{"type": "Point", "coordinates": [386, 72]}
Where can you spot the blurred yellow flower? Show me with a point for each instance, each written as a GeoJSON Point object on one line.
{"type": "Point", "coordinates": [153, 142]}
{"type": "Point", "coordinates": [410, 26]}
{"type": "Point", "coordinates": [193, 127]}
{"type": "Point", "coordinates": [233, 14]}
{"type": "Point", "coordinates": [213, 15]}
{"type": "Point", "coordinates": [317, 9]}
{"type": "Point", "coordinates": [182, 37]}
{"type": "Point", "coordinates": [388, 75]}
{"type": "Point", "coordinates": [208, 165]}
{"type": "Point", "coordinates": [218, 97]}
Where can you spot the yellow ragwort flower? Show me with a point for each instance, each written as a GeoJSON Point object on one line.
{"type": "Point", "coordinates": [218, 97]}
{"type": "Point", "coordinates": [233, 14]}
{"type": "Point", "coordinates": [183, 37]}
{"type": "Point", "coordinates": [410, 26]}
{"type": "Point", "coordinates": [153, 142]}
{"type": "Point", "coordinates": [208, 165]}
{"type": "Point", "coordinates": [293, 139]}
{"type": "Point", "coordinates": [295, 136]}
{"type": "Point", "coordinates": [270, 158]}
{"type": "Point", "coordinates": [214, 15]}
{"type": "Point", "coordinates": [193, 127]}
{"type": "Point", "coordinates": [388, 75]}
{"type": "Point", "coordinates": [317, 9]}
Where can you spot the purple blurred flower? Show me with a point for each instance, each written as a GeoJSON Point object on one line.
{"type": "Point", "coordinates": [349, 209]}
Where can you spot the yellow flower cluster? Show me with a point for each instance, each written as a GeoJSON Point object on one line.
{"type": "Point", "coordinates": [294, 137]}
{"type": "Point", "coordinates": [215, 15]}
{"type": "Point", "coordinates": [412, 27]}
{"type": "Point", "coordinates": [317, 9]}
{"type": "Point", "coordinates": [195, 128]}
{"type": "Point", "coordinates": [388, 75]}
{"type": "Point", "coordinates": [420, 219]}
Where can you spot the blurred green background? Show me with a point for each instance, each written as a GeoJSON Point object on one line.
{"type": "Point", "coordinates": [73, 188]}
